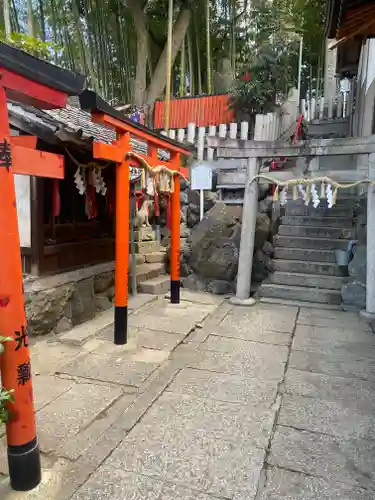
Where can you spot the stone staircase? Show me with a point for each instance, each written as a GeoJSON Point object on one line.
{"type": "Point", "coordinates": [305, 267]}
{"type": "Point", "coordinates": [151, 274]}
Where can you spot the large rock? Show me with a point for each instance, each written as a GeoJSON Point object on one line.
{"type": "Point", "coordinates": [354, 294]}
{"type": "Point", "coordinates": [45, 309]}
{"type": "Point", "coordinates": [357, 267]}
{"type": "Point", "coordinates": [215, 243]}
{"type": "Point", "coordinates": [263, 231]}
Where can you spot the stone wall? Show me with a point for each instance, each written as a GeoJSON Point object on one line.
{"type": "Point", "coordinates": [57, 303]}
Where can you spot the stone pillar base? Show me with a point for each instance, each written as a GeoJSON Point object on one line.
{"type": "Point", "coordinates": [235, 301]}
{"type": "Point", "coordinates": [368, 316]}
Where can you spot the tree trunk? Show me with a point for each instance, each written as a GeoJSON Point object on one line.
{"type": "Point", "coordinates": [30, 19]}
{"type": "Point", "coordinates": [139, 19]}
{"type": "Point", "coordinates": [7, 23]}
{"type": "Point", "coordinates": [157, 85]}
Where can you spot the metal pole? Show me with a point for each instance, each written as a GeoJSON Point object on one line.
{"type": "Point", "coordinates": [169, 68]}
{"type": "Point", "coordinates": [299, 72]}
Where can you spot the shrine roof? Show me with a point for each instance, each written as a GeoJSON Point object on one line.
{"type": "Point", "coordinates": [93, 103]}
{"type": "Point", "coordinates": [70, 124]}
{"type": "Point", "coordinates": [40, 71]}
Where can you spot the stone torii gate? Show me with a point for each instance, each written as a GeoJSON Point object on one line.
{"type": "Point", "coordinates": [254, 152]}
{"type": "Point", "coordinates": [27, 80]}
{"type": "Point", "coordinates": [118, 152]}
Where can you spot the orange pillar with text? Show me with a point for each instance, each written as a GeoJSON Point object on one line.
{"type": "Point", "coordinates": [175, 233]}
{"type": "Point", "coordinates": [23, 450]}
{"type": "Point", "coordinates": [122, 245]}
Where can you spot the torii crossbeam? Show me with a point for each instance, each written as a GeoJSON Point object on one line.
{"type": "Point", "coordinates": [102, 113]}
{"type": "Point", "coordinates": [28, 80]}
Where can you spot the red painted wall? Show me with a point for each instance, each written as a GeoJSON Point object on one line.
{"type": "Point", "coordinates": [203, 111]}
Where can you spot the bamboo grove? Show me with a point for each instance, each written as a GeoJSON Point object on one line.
{"type": "Point", "coordinates": [120, 45]}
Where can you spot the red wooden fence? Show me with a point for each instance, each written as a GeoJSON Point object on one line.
{"type": "Point", "coordinates": [203, 111]}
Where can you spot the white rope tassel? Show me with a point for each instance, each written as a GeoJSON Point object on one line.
{"type": "Point", "coordinates": [329, 196]}
{"type": "Point", "coordinates": [322, 190]}
{"type": "Point", "coordinates": [302, 192]}
{"type": "Point", "coordinates": [283, 195]}
{"type": "Point", "coordinates": [314, 196]}
{"type": "Point", "coordinates": [79, 180]}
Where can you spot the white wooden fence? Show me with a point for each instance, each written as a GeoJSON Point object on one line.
{"type": "Point", "coordinates": [269, 127]}
{"type": "Point", "coordinates": [338, 107]}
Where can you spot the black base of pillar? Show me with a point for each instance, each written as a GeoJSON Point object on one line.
{"type": "Point", "coordinates": [25, 470]}
{"type": "Point", "coordinates": [121, 325]}
{"type": "Point", "coordinates": [175, 291]}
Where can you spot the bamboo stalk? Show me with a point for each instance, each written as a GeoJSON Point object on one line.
{"type": "Point", "coordinates": [208, 48]}
{"type": "Point", "coordinates": [169, 67]}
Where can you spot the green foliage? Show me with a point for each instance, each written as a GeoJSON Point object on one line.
{"type": "Point", "coordinates": [31, 45]}
{"type": "Point", "coordinates": [6, 397]}
{"type": "Point", "coordinates": [271, 75]}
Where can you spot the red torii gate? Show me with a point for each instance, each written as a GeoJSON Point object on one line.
{"type": "Point", "coordinates": [103, 113]}
{"type": "Point", "coordinates": [27, 80]}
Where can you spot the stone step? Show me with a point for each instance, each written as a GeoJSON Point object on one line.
{"type": "Point", "coordinates": [155, 286]}
{"type": "Point", "coordinates": [304, 294]}
{"type": "Point", "coordinates": [298, 303]}
{"type": "Point", "coordinates": [139, 259]}
{"type": "Point", "coordinates": [300, 266]}
{"type": "Point", "coordinates": [298, 220]}
{"type": "Point", "coordinates": [144, 247]}
{"type": "Point", "coordinates": [144, 234]}
{"type": "Point", "coordinates": [305, 254]}
{"type": "Point", "coordinates": [291, 209]}
{"type": "Point", "coordinates": [154, 257]}
{"type": "Point", "coordinates": [148, 271]}
{"type": "Point", "coordinates": [316, 232]}
{"type": "Point", "coordinates": [316, 243]}
{"type": "Point", "coordinates": [308, 280]}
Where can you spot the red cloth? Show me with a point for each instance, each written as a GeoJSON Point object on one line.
{"type": "Point", "coordinates": [56, 200]}
{"type": "Point", "coordinates": [91, 206]}
{"type": "Point", "coordinates": [169, 212]}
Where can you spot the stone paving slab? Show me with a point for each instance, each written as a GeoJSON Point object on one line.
{"type": "Point", "coordinates": [199, 297]}
{"type": "Point", "coordinates": [260, 318]}
{"type": "Point", "coordinates": [116, 370]}
{"type": "Point", "coordinates": [47, 388]}
{"type": "Point", "coordinates": [332, 319]}
{"type": "Point", "coordinates": [216, 466]}
{"type": "Point", "coordinates": [285, 485]}
{"type": "Point", "coordinates": [225, 387]}
{"type": "Point", "coordinates": [180, 320]}
{"type": "Point", "coordinates": [237, 363]}
{"type": "Point", "coordinates": [345, 461]}
{"type": "Point", "coordinates": [141, 337]}
{"type": "Point", "coordinates": [114, 484]}
{"type": "Point", "coordinates": [327, 417]}
{"type": "Point", "coordinates": [71, 412]}
{"type": "Point", "coordinates": [336, 334]}
{"type": "Point", "coordinates": [52, 350]}
{"type": "Point", "coordinates": [78, 445]}
{"type": "Point", "coordinates": [333, 346]}
{"type": "Point", "coordinates": [238, 331]}
{"type": "Point", "coordinates": [177, 421]}
{"type": "Point", "coordinates": [344, 365]}
{"type": "Point", "coordinates": [254, 349]}
{"type": "Point", "coordinates": [353, 392]}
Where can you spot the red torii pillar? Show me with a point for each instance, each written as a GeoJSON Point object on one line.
{"type": "Point", "coordinates": [117, 154]}
{"type": "Point", "coordinates": [18, 156]}
{"type": "Point", "coordinates": [23, 450]}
